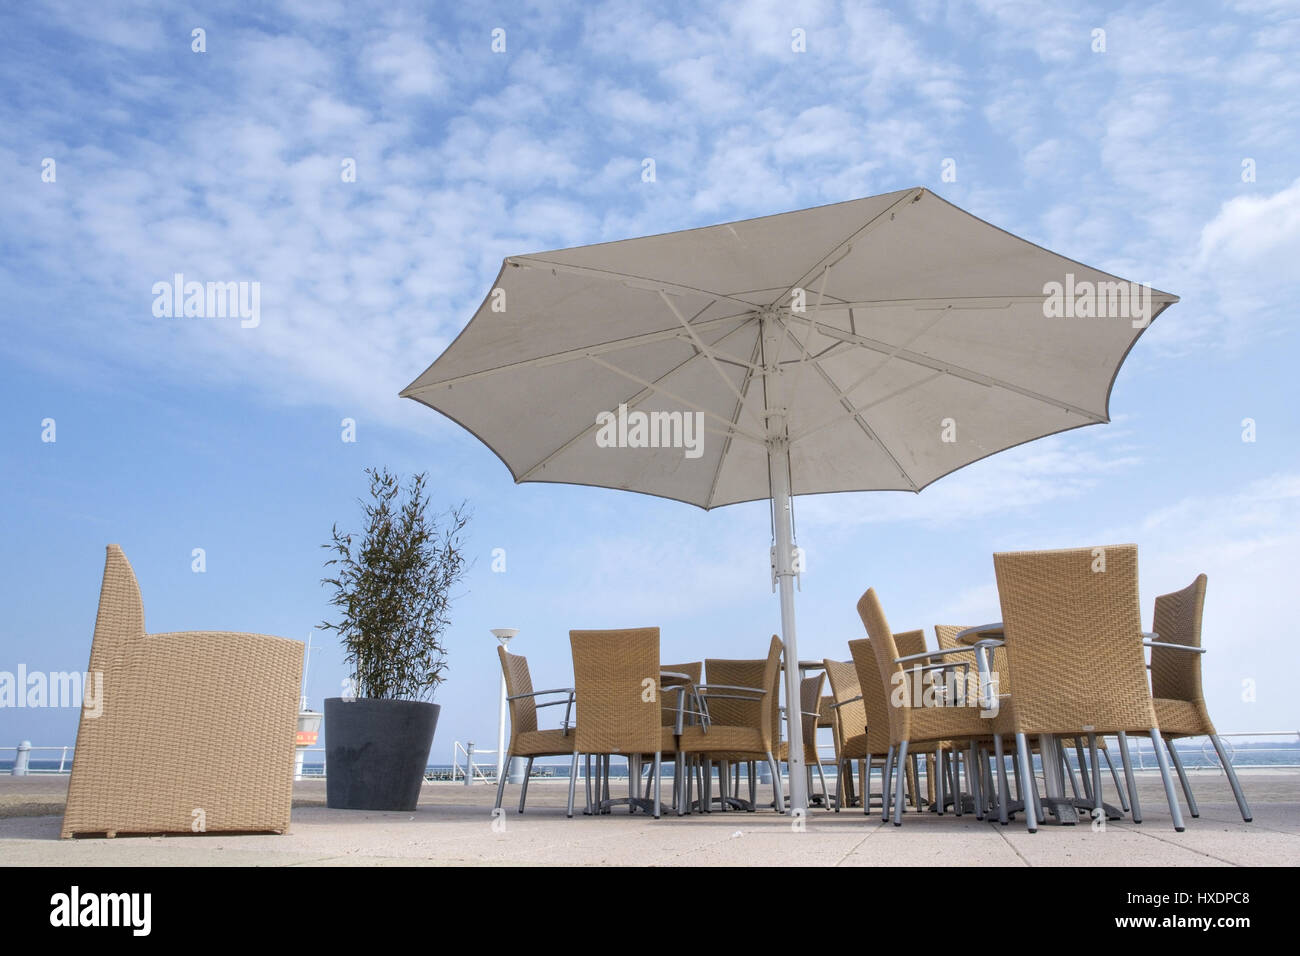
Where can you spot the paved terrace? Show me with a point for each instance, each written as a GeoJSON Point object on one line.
{"type": "Point", "coordinates": [452, 826]}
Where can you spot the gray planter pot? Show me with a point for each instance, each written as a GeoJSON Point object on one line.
{"type": "Point", "coordinates": [376, 752]}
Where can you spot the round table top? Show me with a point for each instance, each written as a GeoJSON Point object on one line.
{"type": "Point", "coordinates": [973, 634]}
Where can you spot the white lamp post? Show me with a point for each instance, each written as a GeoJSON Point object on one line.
{"type": "Point", "coordinates": [502, 634]}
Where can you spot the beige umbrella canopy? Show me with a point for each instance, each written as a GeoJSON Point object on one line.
{"type": "Point", "coordinates": [875, 344]}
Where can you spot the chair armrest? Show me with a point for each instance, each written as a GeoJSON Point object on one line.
{"type": "Point", "coordinates": [928, 654]}
{"type": "Point", "coordinates": [1175, 647]}
{"type": "Point", "coordinates": [539, 693]}
{"type": "Point", "coordinates": [752, 690]}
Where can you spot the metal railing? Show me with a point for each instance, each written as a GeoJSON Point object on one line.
{"type": "Point", "coordinates": [1209, 760]}
{"type": "Point", "coordinates": [22, 766]}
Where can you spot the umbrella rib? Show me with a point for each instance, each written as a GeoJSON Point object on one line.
{"type": "Point", "coordinates": [972, 302]}
{"type": "Point", "coordinates": [633, 282]}
{"type": "Point", "coordinates": [957, 371]}
{"type": "Point", "coordinates": [862, 422]}
{"type": "Point", "coordinates": [559, 358]}
{"type": "Point", "coordinates": [677, 398]}
{"type": "Point", "coordinates": [699, 344]}
{"type": "Point", "coordinates": [909, 197]}
{"type": "Point", "coordinates": [867, 407]}
{"type": "Point", "coordinates": [631, 401]}
{"type": "Point", "coordinates": [925, 327]}
{"type": "Point", "coordinates": [735, 419]}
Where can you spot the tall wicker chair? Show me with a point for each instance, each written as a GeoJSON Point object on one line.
{"type": "Point", "coordinates": [1176, 683]}
{"type": "Point", "coordinates": [1074, 647]}
{"type": "Point", "coordinates": [196, 731]}
{"type": "Point", "coordinates": [616, 680]}
{"type": "Point", "coordinates": [910, 722]}
{"type": "Point", "coordinates": [743, 722]}
{"type": "Point", "coordinates": [525, 739]}
{"type": "Point", "coordinates": [851, 732]}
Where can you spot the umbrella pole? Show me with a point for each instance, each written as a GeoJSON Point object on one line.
{"type": "Point", "coordinates": [778, 468]}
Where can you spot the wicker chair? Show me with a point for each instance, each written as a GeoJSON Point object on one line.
{"type": "Point", "coordinates": [196, 731]}
{"type": "Point", "coordinates": [525, 739]}
{"type": "Point", "coordinates": [947, 637]}
{"type": "Point", "coordinates": [850, 729]}
{"type": "Point", "coordinates": [616, 679]}
{"type": "Point", "coordinates": [740, 705]}
{"type": "Point", "coordinates": [676, 697]}
{"type": "Point", "coordinates": [910, 722]}
{"type": "Point", "coordinates": [810, 697]}
{"type": "Point", "coordinates": [1074, 645]}
{"type": "Point", "coordinates": [1176, 683]}
{"type": "Point", "coordinates": [742, 724]}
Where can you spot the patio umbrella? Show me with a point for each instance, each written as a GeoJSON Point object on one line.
{"type": "Point", "coordinates": [880, 343]}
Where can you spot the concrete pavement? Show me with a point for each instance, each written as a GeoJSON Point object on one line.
{"type": "Point", "coordinates": [453, 826]}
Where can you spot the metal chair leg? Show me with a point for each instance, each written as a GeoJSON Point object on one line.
{"type": "Point", "coordinates": [501, 788]}
{"type": "Point", "coordinates": [573, 783]}
{"type": "Point", "coordinates": [658, 782]}
{"type": "Point", "coordinates": [1085, 773]}
{"type": "Point", "coordinates": [778, 792]}
{"type": "Point", "coordinates": [682, 791]}
{"type": "Point", "coordinates": [902, 773]}
{"type": "Point", "coordinates": [523, 790]}
{"type": "Point", "coordinates": [956, 762]}
{"type": "Point", "coordinates": [587, 778]}
{"type": "Point", "coordinates": [1029, 788]}
{"type": "Point", "coordinates": [887, 784]}
{"type": "Point", "coordinates": [1126, 760]}
{"type": "Point", "coordinates": [914, 781]}
{"type": "Point", "coordinates": [1242, 805]}
{"type": "Point", "coordinates": [1177, 761]}
{"type": "Point", "coordinates": [821, 775]}
{"type": "Point", "coordinates": [1123, 796]}
{"type": "Point", "coordinates": [1003, 796]}
{"type": "Point", "coordinates": [866, 787]}
{"type": "Point", "coordinates": [1174, 810]}
{"type": "Point", "coordinates": [940, 781]}
{"type": "Point", "coordinates": [1096, 773]}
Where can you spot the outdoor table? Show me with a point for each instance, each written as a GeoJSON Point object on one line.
{"type": "Point", "coordinates": [1052, 754]}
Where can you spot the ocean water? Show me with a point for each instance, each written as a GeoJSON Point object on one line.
{"type": "Point", "coordinates": [1196, 755]}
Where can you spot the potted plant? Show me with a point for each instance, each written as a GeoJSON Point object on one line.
{"type": "Point", "coordinates": [391, 586]}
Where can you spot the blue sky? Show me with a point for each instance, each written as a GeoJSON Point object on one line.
{"type": "Point", "coordinates": [175, 434]}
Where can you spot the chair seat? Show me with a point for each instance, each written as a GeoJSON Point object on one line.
{"type": "Point", "coordinates": [1182, 718]}
{"type": "Point", "coordinates": [943, 724]}
{"type": "Point", "coordinates": [722, 739]}
{"type": "Point", "coordinates": [783, 753]}
{"type": "Point", "coordinates": [545, 743]}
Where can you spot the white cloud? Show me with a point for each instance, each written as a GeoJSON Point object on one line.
{"type": "Point", "coordinates": [1016, 481]}
{"type": "Point", "coordinates": [406, 65]}
{"type": "Point", "coordinates": [1255, 236]}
